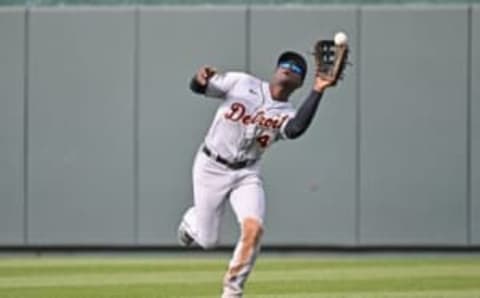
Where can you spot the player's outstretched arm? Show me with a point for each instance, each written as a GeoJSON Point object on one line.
{"type": "Point", "coordinates": [199, 82]}
{"type": "Point", "coordinates": [296, 126]}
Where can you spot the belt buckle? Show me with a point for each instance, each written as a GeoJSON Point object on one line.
{"type": "Point", "coordinates": [242, 164]}
{"type": "Point", "coordinates": [236, 165]}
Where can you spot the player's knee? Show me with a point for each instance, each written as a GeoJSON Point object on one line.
{"type": "Point", "coordinates": [252, 230]}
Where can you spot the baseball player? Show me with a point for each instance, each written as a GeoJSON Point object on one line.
{"type": "Point", "coordinates": [252, 115]}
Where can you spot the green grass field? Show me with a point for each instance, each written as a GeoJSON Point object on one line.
{"type": "Point", "coordinates": [189, 276]}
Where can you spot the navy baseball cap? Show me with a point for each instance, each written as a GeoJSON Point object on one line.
{"type": "Point", "coordinates": [296, 58]}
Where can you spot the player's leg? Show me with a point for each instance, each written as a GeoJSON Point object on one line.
{"type": "Point", "coordinates": [248, 203]}
{"type": "Point", "coordinates": [201, 222]}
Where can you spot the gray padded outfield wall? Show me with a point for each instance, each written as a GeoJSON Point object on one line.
{"type": "Point", "coordinates": [475, 126]}
{"type": "Point", "coordinates": [413, 127]}
{"type": "Point", "coordinates": [81, 71]}
{"type": "Point", "coordinates": [113, 128]}
{"type": "Point", "coordinates": [12, 38]}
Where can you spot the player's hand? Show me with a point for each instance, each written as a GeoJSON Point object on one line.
{"type": "Point", "coordinates": [204, 74]}
{"type": "Point", "coordinates": [321, 83]}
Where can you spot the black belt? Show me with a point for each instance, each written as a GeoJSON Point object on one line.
{"type": "Point", "coordinates": [232, 165]}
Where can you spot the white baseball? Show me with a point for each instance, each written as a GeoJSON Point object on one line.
{"type": "Point", "coordinates": [340, 38]}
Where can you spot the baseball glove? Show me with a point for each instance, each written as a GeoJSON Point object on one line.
{"type": "Point", "coordinates": [330, 60]}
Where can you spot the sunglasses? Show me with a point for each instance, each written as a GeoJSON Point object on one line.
{"type": "Point", "coordinates": [292, 66]}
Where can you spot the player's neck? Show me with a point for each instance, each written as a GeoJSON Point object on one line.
{"type": "Point", "coordinates": [279, 92]}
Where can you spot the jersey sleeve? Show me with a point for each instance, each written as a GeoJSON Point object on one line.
{"type": "Point", "coordinates": [221, 83]}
